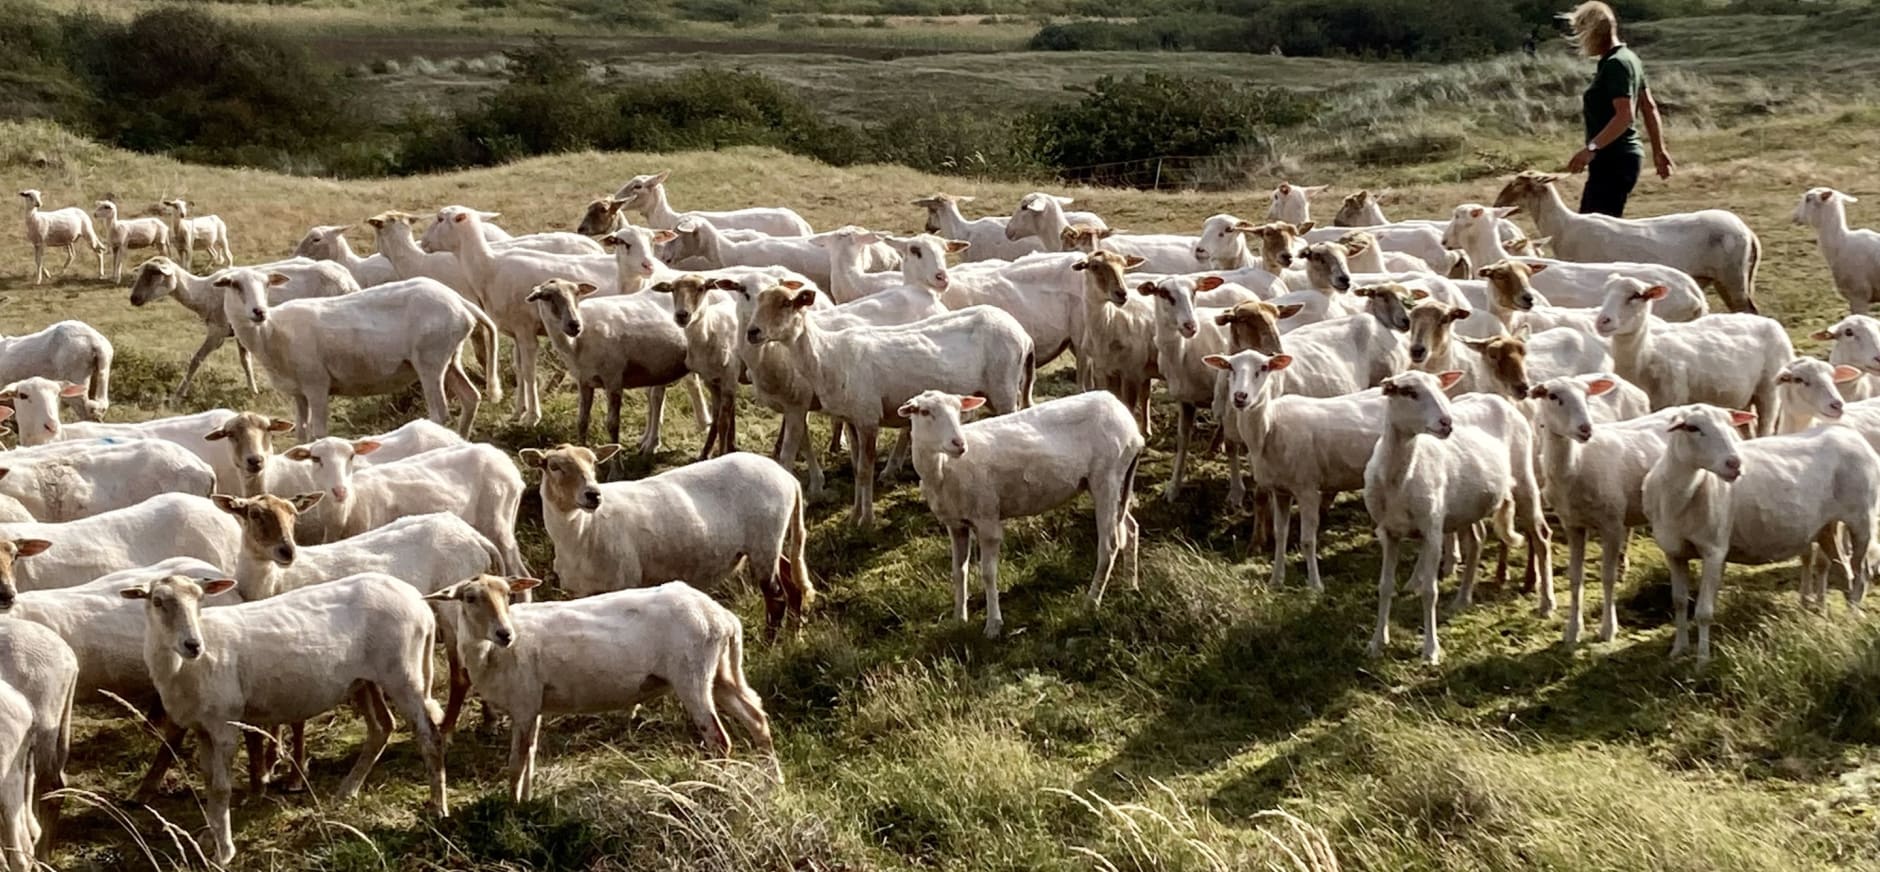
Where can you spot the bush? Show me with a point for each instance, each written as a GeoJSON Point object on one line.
{"type": "Point", "coordinates": [1408, 29]}
{"type": "Point", "coordinates": [725, 11]}
{"type": "Point", "coordinates": [1124, 122]}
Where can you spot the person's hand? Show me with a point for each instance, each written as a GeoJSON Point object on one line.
{"type": "Point", "coordinates": [1579, 161]}
{"type": "Point", "coordinates": [1666, 166]}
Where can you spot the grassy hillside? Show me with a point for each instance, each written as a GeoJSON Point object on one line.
{"type": "Point", "coordinates": [1155, 734]}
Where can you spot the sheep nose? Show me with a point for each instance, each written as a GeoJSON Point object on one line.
{"type": "Point", "coordinates": [504, 636]}
{"type": "Point", "coordinates": [754, 335]}
{"type": "Point", "coordinates": [254, 463]}
{"type": "Point", "coordinates": [1286, 260]}
{"type": "Point", "coordinates": [192, 648]}
{"type": "Point", "coordinates": [1240, 399]}
{"type": "Point", "coordinates": [1445, 426]}
{"type": "Point", "coordinates": [940, 279]}
{"type": "Point", "coordinates": [1418, 352]}
{"type": "Point", "coordinates": [339, 493]}
{"type": "Point", "coordinates": [1342, 283]}
{"type": "Point", "coordinates": [259, 315]}
{"type": "Point", "coordinates": [1201, 254]}
{"type": "Point", "coordinates": [1188, 329]}
{"type": "Point", "coordinates": [682, 316]}
{"type": "Point", "coordinates": [1526, 301]}
{"type": "Point", "coordinates": [284, 554]}
{"type": "Point", "coordinates": [1586, 432]}
{"type": "Point", "coordinates": [6, 599]}
{"type": "Point", "coordinates": [591, 498]}
{"type": "Point", "coordinates": [958, 446]}
{"type": "Point", "coordinates": [1521, 389]}
{"type": "Point", "coordinates": [1836, 408]}
{"type": "Point", "coordinates": [572, 328]}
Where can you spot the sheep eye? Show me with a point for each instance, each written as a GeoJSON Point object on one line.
{"type": "Point", "coordinates": [913, 252]}
{"type": "Point", "coordinates": [1849, 333]}
{"type": "Point", "coordinates": [1409, 393]}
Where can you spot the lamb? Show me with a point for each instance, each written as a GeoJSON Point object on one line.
{"type": "Point", "coordinates": [1223, 244]}
{"type": "Point", "coordinates": [128, 233]}
{"type": "Point", "coordinates": [171, 525]}
{"type": "Point", "coordinates": [366, 638]}
{"type": "Point", "coordinates": [984, 236]}
{"type": "Point", "coordinates": [60, 227]}
{"type": "Point", "coordinates": [38, 664]}
{"type": "Point", "coordinates": [1713, 246]}
{"type": "Point", "coordinates": [1853, 256]}
{"type": "Point", "coordinates": [710, 323]}
{"type": "Point", "coordinates": [328, 242]}
{"type": "Point", "coordinates": [1566, 282]}
{"type": "Point", "coordinates": [68, 351]}
{"type": "Point", "coordinates": [1364, 255]}
{"type": "Point", "coordinates": [1119, 338]}
{"type": "Point", "coordinates": [1678, 364]}
{"type": "Point", "coordinates": [976, 476]}
{"type": "Point", "coordinates": [1185, 336]}
{"type": "Point", "coordinates": [1162, 252]}
{"type": "Point", "coordinates": [429, 552]}
{"type": "Point", "coordinates": [697, 523]}
{"type": "Point", "coordinates": [603, 653]}
{"type": "Point", "coordinates": [210, 229]}
{"type": "Point", "coordinates": [1318, 287]}
{"type": "Point", "coordinates": [392, 233]}
{"type": "Point", "coordinates": [1810, 391]}
{"type": "Point", "coordinates": [1856, 341]}
{"type": "Point", "coordinates": [1592, 472]}
{"type": "Point", "coordinates": [1042, 215]}
{"type": "Point", "coordinates": [35, 401]}
{"type": "Point", "coordinates": [1513, 301]}
{"type": "Point", "coordinates": [1253, 324]}
{"type": "Point", "coordinates": [1362, 210]}
{"type": "Point", "coordinates": [1715, 498]}
{"type": "Point", "coordinates": [17, 836]}
{"type": "Point", "coordinates": [70, 481]}
{"type": "Point", "coordinates": [476, 482]}
{"type": "Point", "coordinates": [1437, 472]}
{"type": "Point", "coordinates": [612, 344]}
{"type": "Point", "coordinates": [861, 376]}
{"type": "Point", "coordinates": [1301, 448]}
{"type": "Point", "coordinates": [159, 277]}
{"type": "Point", "coordinates": [1290, 203]}
{"type": "Point", "coordinates": [364, 343]}
{"type": "Point", "coordinates": [646, 194]}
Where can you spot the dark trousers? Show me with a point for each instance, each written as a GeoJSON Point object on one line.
{"type": "Point", "coordinates": [1609, 182]}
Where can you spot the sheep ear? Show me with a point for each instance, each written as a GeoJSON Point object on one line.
{"type": "Point", "coordinates": [1209, 283]}
{"type": "Point", "coordinates": [1457, 314]}
{"type": "Point", "coordinates": [1035, 204]}
{"type": "Point", "coordinates": [1822, 335]}
{"type": "Point", "coordinates": [1278, 362]}
{"type": "Point", "coordinates": [968, 404]}
{"type": "Point", "coordinates": [1291, 309]}
{"type": "Point", "coordinates": [225, 282]}
{"type": "Point", "coordinates": [532, 457]}
{"type": "Point", "coordinates": [1534, 268]}
{"type": "Point", "coordinates": [606, 452]}
{"type": "Point", "coordinates": [804, 298]}
{"type": "Point", "coordinates": [1505, 211]}
{"type": "Point", "coordinates": [1133, 262]}
{"type": "Point", "coordinates": [791, 284]}
{"type": "Point", "coordinates": [135, 593]}
{"type": "Point", "coordinates": [226, 503]}
{"type": "Point", "coordinates": [1485, 272]}
{"type": "Point", "coordinates": [726, 285]}
{"type": "Point", "coordinates": [71, 390]}
{"type": "Point", "coordinates": [365, 446]}
{"type": "Point", "coordinates": [216, 586]}
{"type": "Point", "coordinates": [659, 178]}
{"type": "Point", "coordinates": [1844, 374]}
{"type": "Point", "coordinates": [278, 425]}
{"type": "Point", "coordinates": [585, 289]}
{"type": "Point", "coordinates": [1078, 266]}
{"type": "Point", "coordinates": [908, 410]}
{"type": "Point", "coordinates": [1538, 393]}
{"type": "Point", "coordinates": [1419, 294]}
{"type": "Point", "coordinates": [523, 584]}
{"type": "Point", "coordinates": [5, 412]}
{"type": "Point", "coordinates": [445, 594]}
{"type": "Point", "coordinates": [1218, 362]}
{"type": "Point", "coordinates": [1225, 318]}
{"type": "Point", "coordinates": [1146, 289]}
{"type": "Point", "coordinates": [1740, 418]}
{"type": "Point", "coordinates": [1849, 198]}
{"type": "Point", "coordinates": [1600, 386]}
{"type": "Point", "coordinates": [662, 288]}
{"type": "Point", "coordinates": [1449, 378]}
{"type": "Point", "coordinates": [955, 246]}
{"type": "Point", "coordinates": [298, 452]}
{"type": "Point", "coordinates": [29, 547]}
{"type": "Point", "coordinates": [1305, 228]}
{"type": "Point", "coordinates": [1316, 189]}
{"type": "Point", "coordinates": [1524, 331]}
{"type": "Point", "coordinates": [307, 501]}
{"type": "Point", "coordinates": [1477, 212]}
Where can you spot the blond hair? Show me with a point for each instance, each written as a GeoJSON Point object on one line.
{"type": "Point", "coordinates": [1595, 28]}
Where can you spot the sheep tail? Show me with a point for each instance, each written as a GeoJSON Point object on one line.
{"type": "Point", "coordinates": [1028, 378]}
{"type": "Point", "coordinates": [795, 572]}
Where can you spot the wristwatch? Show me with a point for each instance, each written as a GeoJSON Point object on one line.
{"type": "Point", "coordinates": [1592, 147]}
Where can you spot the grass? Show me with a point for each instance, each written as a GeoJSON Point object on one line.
{"type": "Point", "coordinates": [1160, 733]}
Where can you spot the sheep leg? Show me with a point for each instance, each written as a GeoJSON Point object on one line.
{"type": "Point", "coordinates": [727, 421]}
{"type": "Point", "coordinates": [1576, 583]}
{"type": "Point", "coordinates": [701, 411]}
{"type": "Point", "coordinates": [1680, 572]}
{"type": "Point", "coordinates": [459, 688]}
{"type": "Point", "coordinates": [517, 346]}
{"type": "Point", "coordinates": [412, 699]}
{"type": "Point", "coordinates": [962, 555]}
{"type": "Point", "coordinates": [1470, 539]}
{"type": "Point", "coordinates": [1280, 507]}
{"type": "Point", "coordinates": [170, 738]}
{"type": "Point", "coordinates": [695, 693]}
{"type": "Point", "coordinates": [836, 440]}
{"type": "Point", "coordinates": [711, 434]}
{"type": "Point", "coordinates": [214, 754]}
{"type": "Point", "coordinates": [1427, 582]}
{"type": "Point", "coordinates": [532, 392]}
{"type": "Point", "coordinates": [71, 255]}
{"type": "Point", "coordinates": [247, 360]}
{"type": "Point", "coordinates": [1707, 585]}
{"type": "Point", "coordinates": [613, 418]}
{"type": "Point", "coordinates": [1860, 537]}
{"type": "Point", "coordinates": [1132, 534]}
{"type": "Point", "coordinates": [39, 264]}
{"type": "Point", "coordinates": [655, 410]}
{"type": "Point", "coordinates": [524, 728]}
{"type": "Point", "coordinates": [584, 412]}
{"type": "Point", "coordinates": [989, 537]}
{"type": "Point", "coordinates": [457, 384]}
{"type": "Point", "coordinates": [378, 719]}
{"type": "Point", "coordinates": [1184, 431]}
{"type": "Point", "coordinates": [16, 830]}
{"type": "Point", "coordinates": [866, 439]}
{"type": "Point", "coordinates": [316, 400]}
{"type": "Point", "coordinates": [1386, 589]}
{"type": "Point", "coordinates": [896, 457]}
{"type": "Point", "coordinates": [297, 763]}
{"type": "Point", "coordinates": [210, 342]}
{"type": "Point", "coordinates": [261, 757]}
{"type": "Point", "coordinates": [1110, 536]}
{"type": "Point", "coordinates": [1236, 484]}
{"type": "Point", "coordinates": [435, 406]}
{"type": "Point", "coordinates": [1612, 554]}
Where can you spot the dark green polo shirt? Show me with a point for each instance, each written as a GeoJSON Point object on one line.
{"type": "Point", "coordinates": [1619, 75]}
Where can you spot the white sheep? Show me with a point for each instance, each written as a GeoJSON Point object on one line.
{"type": "Point", "coordinates": [1290, 203]}
{"type": "Point", "coordinates": [1811, 395]}
{"type": "Point", "coordinates": [1438, 471]}
{"type": "Point", "coordinates": [1856, 343]}
{"type": "Point", "coordinates": [38, 664]}
{"type": "Point", "coordinates": [1592, 472]}
{"type": "Point", "coordinates": [368, 342]}
{"type": "Point", "coordinates": [161, 277]}
{"type": "Point", "coordinates": [1566, 282]}
{"type": "Point", "coordinates": [709, 319]}
{"type": "Point", "coordinates": [985, 236]}
{"type": "Point", "coordinates": [1346, 355]}
{"type": "Point", "coordinates": [1043, 216]}
{"type": "Point", "coordinates": [862, 375]}
{"type": "Point", "coordinates": [552, 242]}
{"type": "Point", "coordinates": [171, 525]}
{"type": "Point", "coordinates": [60, 227]}
{"type": "Point", "coordinates": [288, 659]}
{"type": "Point", "coordinates": [328, 242]}
{"type": "Point", "coordinates": [392, 233]}
{"type": "Point", "coordinates": [613, 344]}
{"type": "Point", "coordinates": [35, 401]}
{"type": "Point", "coordinates": [1365, 255]}
{"type": "Point", "coordinates": [124, 234]}
{"type": "Point", "coordinates": [718, 249]}
{"type": "Point", "coordinates": [476, 482]}
{"type": "Point", "coordinates": [697, 523]}
{"type": "Point", "coordinates": [17, 822]}
{"type": "Point", "coordinates": [210, 230]}
{"type": "Point", "coordinates": [1853, 256]}
{"type": "Point", "coordinates": [1712, 246]}
{"type": "Point", "coordinates": [603, 653]}
{"type": "Point", "coordinates": [976, 476]}
{"type": "Point", "coordinates": [68, 481]}
{"type": "Point", "coordinates": [1185, 336]}
{"type": "Point", "coordinates": [68, 351]}
{"type": "Point", "coordinates": [1514, 302]}
{"type": "Point", "coordinates": [647, 195]}
{"type": "Point", "coordinates": [1715, 498]}
{"type": "Point", "coordinates": [1728, 360]}
{"type": "Point", "coordinates": [1222, 244]}
{"type": "Point", "coordinates": [1119, 338]}
{"type": "Point", "coordinates": [1160, 252]}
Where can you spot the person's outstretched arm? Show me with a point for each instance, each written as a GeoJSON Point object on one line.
{"type": "Point", "coordinates": [1654, 131]}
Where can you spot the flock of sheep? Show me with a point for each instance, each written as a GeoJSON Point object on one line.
{"type": "Point", "coordinates": [1463, 383]}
